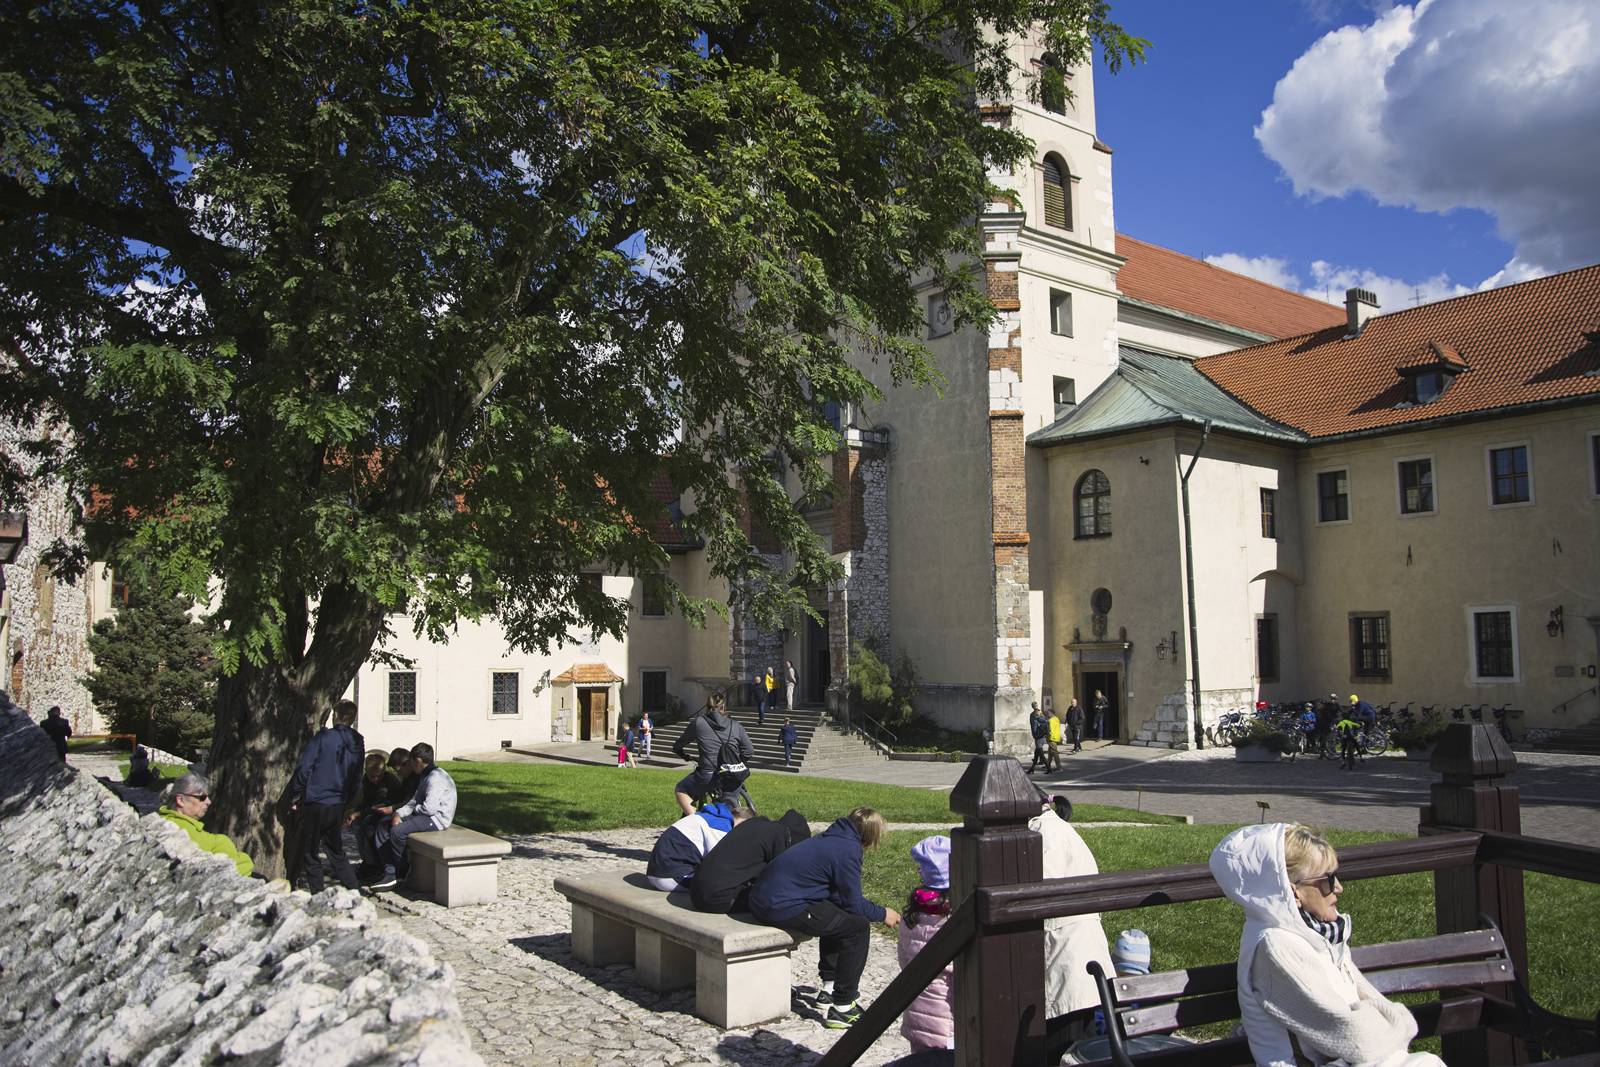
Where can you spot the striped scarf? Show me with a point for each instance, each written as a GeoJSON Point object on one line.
{"type": "Point", "coordinates": [1336, 932]}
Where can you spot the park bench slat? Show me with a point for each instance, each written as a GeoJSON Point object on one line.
{"type": "Point", "coordinates": [1443, 976]}
{"type": "Point", "coordinates": [1438, 948]}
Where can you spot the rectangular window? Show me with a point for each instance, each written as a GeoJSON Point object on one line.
{"type": "Point", "coordinates": [1333, 496]}
{"type": "Point", "coordinates": [402, 692]}
{"type": "Point", "coordinates": [1269, 513]}
{"type": "Point", "coordinates": [1369, 646]}
{"type": "Point", "coordinates": [503, 693]}
{"type": "Point", "coordinates": [1060, 313]}
{"type": "Point", "coordinates": [652, 599]}
{"type": "Point", "coordinates": [1510, 480]}
{"type": "Point", "coordinates": [1416, 486]}
{"type": "Point", "coordinates": [590, 579]}
{"type": "Point", "coordinates": [653, 690]}
{"type": "Point", "coordinates": [1494, 647]}
{"type": "Point", "coordinates": [939, 322]}
{"type": "Point", "coordinates": [1066, 393]}
{"type": "Point", "coordinates": [1267, 648]}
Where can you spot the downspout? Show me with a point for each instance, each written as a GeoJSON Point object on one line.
{"type": "Point", "coordinates": [1188, 563]}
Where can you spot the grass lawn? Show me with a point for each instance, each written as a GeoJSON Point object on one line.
{"type": "Point", "coordinates": [531, 798]}
{"type": "Point", "coordinates": [163, 770]}
{"type": "Point", "coordinates": [1565, 969]}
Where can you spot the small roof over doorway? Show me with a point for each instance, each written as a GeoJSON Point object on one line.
{"type": "Point", "coordinates": [587, 674]}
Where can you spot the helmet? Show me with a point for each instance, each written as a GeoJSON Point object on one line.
{"type": "Point", "coordinates": [1354, 699]}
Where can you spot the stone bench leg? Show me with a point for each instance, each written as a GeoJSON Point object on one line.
{"type": "Point", "coordinates": [742, 991]}
{"type": "Point", "coordinates": [460, 884]}
{"type": "Point", "coordinates": [423, 878]}
{"type": "Point", "coordinates": [661, 963]}
{"type": "Point", "coordinates": [598, 939]}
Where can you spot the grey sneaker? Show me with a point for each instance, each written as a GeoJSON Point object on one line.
{"type": "Point", "coordinates": [842, 1018]}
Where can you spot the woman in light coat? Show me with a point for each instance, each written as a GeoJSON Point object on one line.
{"type": "Point", "coordinates": [1070, 943]}
{"type": "Point", "coordinates": [1299, 991]}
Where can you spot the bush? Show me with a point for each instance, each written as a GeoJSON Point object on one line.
{"type": "Point", "coordinates": [1419, 734]}
{"type": "Point", "coordinates": [1260, 732]}
{"type": "Point", "coordinates": [884, 694]}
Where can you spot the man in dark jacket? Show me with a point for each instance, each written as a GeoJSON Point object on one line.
{"type": "Point", "coordinates": [723, 754]}
{"type": "Point", "coordinates": [1075, 724]}
{"type": "Point", "coordinates": [325, 783]}
{"type": "Point", "coordinates": [1039, 726]}
{"type": "Point", "coordinates": [814, 889]}
{"type": "Point", "coordinates": [722, 881]}
{"type": "Point", "coordinates": [59, 730]}
{"type": "Point", "coordinates": [788, 735]}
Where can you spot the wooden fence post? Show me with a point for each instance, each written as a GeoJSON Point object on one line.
{"type": "Point", "coordinates": [1000, 1001]}
{"type": "Point", "coordinates": [1472, 761]}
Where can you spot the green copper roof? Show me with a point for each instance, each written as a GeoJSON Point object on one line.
{"type": "Point", "coordinates": [1149, 390]}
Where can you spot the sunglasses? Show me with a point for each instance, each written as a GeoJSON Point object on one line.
{"type": "Point", "coordinates": [197, 796]}
{"type": "Point", "coordinates": [1325, 882]}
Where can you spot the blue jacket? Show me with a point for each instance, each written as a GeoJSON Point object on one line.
{"type": "Point", "coordinates": [330, 768]}
{"type": "Point", "coordinates": [788, 734]}
{"type": "Point", "coordinates": [826, 867]}
{"type": "Point", "coordinates": [681, 846]}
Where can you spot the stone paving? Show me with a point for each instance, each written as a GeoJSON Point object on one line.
{"type": "Point", "coordinates": [527, 1000]}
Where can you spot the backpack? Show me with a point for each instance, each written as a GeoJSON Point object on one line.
{"type": "Point", "coordinates": [730, 757]}
{"type": "Point", "coordinates": [1038, 727]}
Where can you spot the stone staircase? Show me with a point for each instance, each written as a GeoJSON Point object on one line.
{"type": "Point", "coordinates": [808, 725]}
{"type": "Point", "coordinates": [1584, 741]}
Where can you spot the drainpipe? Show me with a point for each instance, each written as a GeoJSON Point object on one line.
{"type": "Point", "coordinates": [1188, 563]}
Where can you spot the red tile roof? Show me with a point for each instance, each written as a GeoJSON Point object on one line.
{"type": "Point", "coordinates": [1157, 275]}
{"type": "Point", "coordinates": [1526, 343]}
{"type": "Point", "coordinates": [588, 674]}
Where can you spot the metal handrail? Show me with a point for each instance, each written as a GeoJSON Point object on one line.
{"type": "Point", "coordinates": [1563, 705]}
{"type": "Point", "coordinates": [877, 729]}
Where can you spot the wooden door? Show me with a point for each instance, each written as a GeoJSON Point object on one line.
{"type": "Point", "coordinates": [597, 714]}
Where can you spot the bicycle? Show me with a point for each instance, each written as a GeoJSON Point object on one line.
{"type": "Point", "coordinates": [1500, 715]}
{"type": "Point", "coordinates": [726, 790]}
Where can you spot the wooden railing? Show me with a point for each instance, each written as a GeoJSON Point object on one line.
{"type": "Point", "coordinates": [1469, 838]}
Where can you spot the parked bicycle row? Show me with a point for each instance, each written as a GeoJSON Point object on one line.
{"type": "Point", "coordinates": [1324, 726]}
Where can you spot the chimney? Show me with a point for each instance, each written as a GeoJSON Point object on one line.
{"type": "Point", "coordinates": [1359, 306]}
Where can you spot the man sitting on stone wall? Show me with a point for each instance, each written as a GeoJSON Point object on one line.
{"type": "Point", "coordinates": [186, 805]}
{"type": "Point", "coordinates": [433, 808]}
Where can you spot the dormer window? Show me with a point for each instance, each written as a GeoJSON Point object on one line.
{"type": "Point", "coordinates": [1430, 373]}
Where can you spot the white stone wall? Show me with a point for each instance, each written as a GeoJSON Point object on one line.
{"type": "Point", "coordinates": [124, 943]}
{"type": "Point", "coordinates": [50, 619]}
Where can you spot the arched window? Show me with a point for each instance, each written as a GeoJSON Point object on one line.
{"type": "Point", "coordinates": [1052, 84]}
{"type": "Point", "coordinates": [1091, 502]}
{"type": "Point", "coordinates": [1057, 193]}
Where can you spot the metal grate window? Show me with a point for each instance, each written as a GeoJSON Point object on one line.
{"type": "Point", "coordinates": [1492, 639]}
{"type": "Point", "coordinates": [503, 693]}
{"type": "Point", "coordinates": [402, 692]}
{"type": "Point", "coordinates": [1369, 646]}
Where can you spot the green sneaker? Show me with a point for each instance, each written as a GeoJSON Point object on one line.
{"type": "Point", "coordinates": [842, 1018]}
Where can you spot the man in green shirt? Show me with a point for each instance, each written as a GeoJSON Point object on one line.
{"type": "Point", "coordinates": [187, 806]}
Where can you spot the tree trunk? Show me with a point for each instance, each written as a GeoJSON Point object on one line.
{"type": "Point", "coordinates": [263, 723]}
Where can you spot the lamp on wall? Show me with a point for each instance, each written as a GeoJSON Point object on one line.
{"type": "Point", "coordinates": [1161, 649]}
{"type": "Point", "coordinates": [1557, 624]}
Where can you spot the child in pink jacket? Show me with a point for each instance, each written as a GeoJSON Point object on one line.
{"type": "Point", "coordinates": [930, 1021]}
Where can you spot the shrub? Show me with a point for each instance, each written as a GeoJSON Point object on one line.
{"type": "Point", "coordinates": [884, 694]}
{"type": "Point", "coordinates": [1260, 732]}
{"type": "Point", "coordinates": [1418, 734]}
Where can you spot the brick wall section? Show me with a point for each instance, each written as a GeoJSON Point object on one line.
{"type": "Point", "coordinates": [1009, 492]}
{"type": "Point", "coordinates": [1002, 285]}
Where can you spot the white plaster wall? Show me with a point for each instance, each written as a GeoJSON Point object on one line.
{"type": "Point", "coordinates": [1175, 335]}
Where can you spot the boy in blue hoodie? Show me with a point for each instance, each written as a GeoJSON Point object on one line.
{"type": "Point", "coordinates": [814, 889]}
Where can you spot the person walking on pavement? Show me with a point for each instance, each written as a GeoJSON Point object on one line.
{"type": "Point", "coordinates": [1101, 706]}
{"type": "Point", "coordinates": [1075, 724]}
{"type": "Point", "coordinates": [761, 699]}
{"type": "Point", "coordinates": [1054, 741]}
{"type": "Point", "coordinates": [59, 730]}
{"type": "Point", "coordinates": [1039, 728]}
{"type": "Point", "coordinates": [327, 781]}
{"type": "Point", "coordinates": [788, 736]}
{"type": "Point", "coordinates": [790, 680]}
{"type": "Point", "coordinates": [646, 728]}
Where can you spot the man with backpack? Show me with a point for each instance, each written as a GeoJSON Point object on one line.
{"type": "Point", "coordinates": [723, 755]}
{"type": "Point", "coordinates": [1038, 726]}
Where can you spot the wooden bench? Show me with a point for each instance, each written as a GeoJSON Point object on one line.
{"type": "Point", "coordinates": [456, 866]}
{"type": "Point", "coordinates": [738, 967]}
{"type": "Point", "coordinates": [1467, 967]}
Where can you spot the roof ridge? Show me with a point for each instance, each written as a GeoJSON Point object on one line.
{"type": "Point", "coordinates": [1478, 293]}
{"type": "Point", "coordinates": [1202, 261]}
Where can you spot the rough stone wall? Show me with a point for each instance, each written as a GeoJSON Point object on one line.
{"type": "Point", "coordinates": [126, 944]}
{"type": "Point", "coordinates": [1169, 727]}
{"type": "Point", "coordinates": [49, 618]}
{"type": "Point", "coordinates": [858, 605]}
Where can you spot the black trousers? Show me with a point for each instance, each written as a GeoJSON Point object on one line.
{"type": "Point", "coordinates": [842, 938]}
{"type": "Point", "coordinates": [324, 829]}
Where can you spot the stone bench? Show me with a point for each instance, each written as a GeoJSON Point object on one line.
{"type": "Point", "coordinates": [739, 968]}
{"type": "Point", "coordinates": [456, 866]}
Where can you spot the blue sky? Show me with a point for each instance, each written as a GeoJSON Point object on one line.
{"type": "Point", "coordinates": [1440, 146]}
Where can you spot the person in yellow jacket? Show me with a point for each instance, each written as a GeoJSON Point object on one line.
{"type": "Point", "coordinates": [1054, 758]}
{"type": "Point", "coordinates": [186, 806]}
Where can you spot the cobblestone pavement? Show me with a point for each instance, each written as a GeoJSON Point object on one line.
{"type": "Point", "coordinates": [527, 1000]}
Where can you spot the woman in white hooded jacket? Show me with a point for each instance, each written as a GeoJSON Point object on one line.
{"type": "Point", "coordinates": [1299, 992]}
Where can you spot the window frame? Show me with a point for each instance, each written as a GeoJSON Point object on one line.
{"type": "Point", "coordinates": [1065, 300]}
{"type": "Point", "coordinates": [1349, 509]}
{"type": "Point", "coordinates": [1067, 180]}
{"type": "Point", "coordinates": [645, 586]}
{"type": "Point", "coordinates": [1060, 406]}
{"type": "Point", "coordinates": [1270, 618]}
{"type": "Point", "coordinates": [1473, 677]}
{"type": "Point", "coordinates": [1594, 464]}
{"type": "Point", "coordinates": [1400, 485]}
{"type": "Point", "coordinates": [942, 302]}
{"type": "Point", "coordinates": [388, 696]}
{"type": "Point", "coordinates": [516, 691]}
{"type": "Point", "coordinates": [1386, 649]}
{"type": "Point", "coordinates": [666, 683]}
{"type": "Point", "coordinates": [1077, 508]}
{"type": "Point", "coordinates": [1269, 512]}
{"type": "Point", "coordinates": [1050, 60]}
{"type": "Point", "coordinates": [1488, 462]}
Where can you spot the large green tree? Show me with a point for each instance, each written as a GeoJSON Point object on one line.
{"type": "Point", "coordinates": [154, 674]}
{"type": "Point", "coordinates": [361, 307]}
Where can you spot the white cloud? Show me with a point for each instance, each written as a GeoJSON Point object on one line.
{"type": "Point", "coordinates": [1456, 103]}
{"type": "Point", "coordinates": [1269, 269]}
{"type": "Point", "coordinates": [1328, 282]}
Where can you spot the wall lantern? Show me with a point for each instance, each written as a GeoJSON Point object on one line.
{"type": "Point", "coordinates": [1557, 624]}
{"type": "Point", "coordinates": [1161, 649]}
